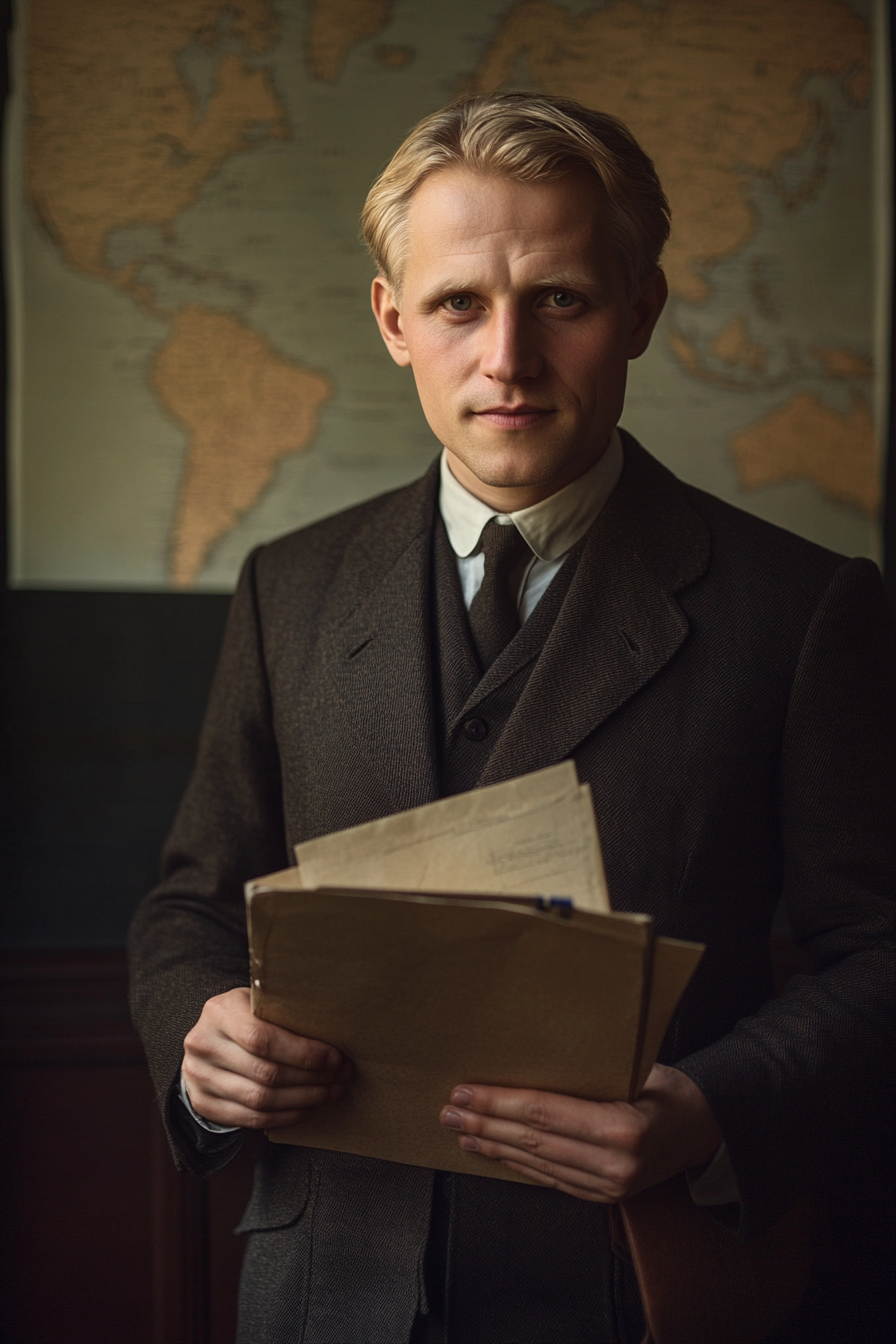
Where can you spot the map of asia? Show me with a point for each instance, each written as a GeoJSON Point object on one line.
{"type": "Point", "coordinates": [194, 366]}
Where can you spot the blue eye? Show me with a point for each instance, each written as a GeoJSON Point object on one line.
{"type": "Point", "coordinates": [460, 303]}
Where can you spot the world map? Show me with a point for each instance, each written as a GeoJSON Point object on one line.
{"type": "Point", "coordinates": [195, 368]}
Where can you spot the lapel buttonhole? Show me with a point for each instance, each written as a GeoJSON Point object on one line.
{"type": "Point", "coordinates": [353, 653]}
{"type": "Point", "coordinates": [630, 643]}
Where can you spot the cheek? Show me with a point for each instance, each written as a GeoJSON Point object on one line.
{"type": "Point", "coordinates": [591, 366]}
{"type": "Point", "coordinates": [438, 365]}
{"type": "Point", "coordinates": [435, 390]}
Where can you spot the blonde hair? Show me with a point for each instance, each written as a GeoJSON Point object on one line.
{"type": "Point", "coordinates": [531, 138]}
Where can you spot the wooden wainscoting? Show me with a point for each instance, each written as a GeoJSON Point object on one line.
{"type": "Point", "coordinates": [103, 1242]}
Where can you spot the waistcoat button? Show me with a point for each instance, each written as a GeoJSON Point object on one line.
{"type": "Point", "coordinates": [476, 729]}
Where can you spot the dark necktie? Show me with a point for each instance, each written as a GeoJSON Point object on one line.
{"type": "Point", "coordinates": [494, 618]}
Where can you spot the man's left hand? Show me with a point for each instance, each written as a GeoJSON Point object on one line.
{"type": "Point", "coordinates": [600, 1151]}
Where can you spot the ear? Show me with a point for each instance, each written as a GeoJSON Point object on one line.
{"type": "Point", "coordinates": [646, 313]}
{"type": "Point", "coordinates": [385, 310]}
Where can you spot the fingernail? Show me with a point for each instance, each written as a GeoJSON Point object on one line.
{"type": "Point", "coordinates": [453, 1119]}
{"type": "Point", "coordinates": [333, 1059]}
{"type": "Point", "coordinates": [461, 1096]}
{"type": "Point", "coordinates": [470, 1142]}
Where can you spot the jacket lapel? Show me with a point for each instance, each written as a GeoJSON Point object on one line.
{"type": "Point", "coordinates": [620, 623]}
{"type": "Point", "coordinates": [377, 647]}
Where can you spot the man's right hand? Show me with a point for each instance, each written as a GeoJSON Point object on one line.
{"type": "Point", "coordinates": [239, 1070]}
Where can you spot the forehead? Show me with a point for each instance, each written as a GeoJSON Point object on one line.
{"type": "Point", "coordinates": [462, 218]}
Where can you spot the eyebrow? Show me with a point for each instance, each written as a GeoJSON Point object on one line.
{"type": "Point", "coordinates": [567, 280]}
{"type": "Point", "coordinates": [443, 289]}
{"type": "Point", "coordinates": [553, 280]}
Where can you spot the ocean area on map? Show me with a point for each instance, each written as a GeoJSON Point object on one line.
{"type": "Point", "coordinates": [195, 367]}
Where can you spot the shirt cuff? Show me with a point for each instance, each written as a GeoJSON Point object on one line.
{"type": "Point", "coordinates": [200, 1120]}
{"type": "Point", "coordinates": [717, 1183]}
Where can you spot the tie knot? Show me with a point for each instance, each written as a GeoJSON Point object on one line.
{"type": "Point", "coordinates": [503, 546]}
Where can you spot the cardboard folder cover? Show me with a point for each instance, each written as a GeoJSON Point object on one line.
{"type": "Point", "coordinates": [424, 991]}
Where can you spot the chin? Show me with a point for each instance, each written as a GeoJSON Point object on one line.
{"type": "Point", "coordinates": [515, 467]}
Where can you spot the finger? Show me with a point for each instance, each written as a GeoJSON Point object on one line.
{"type": "Point", "coordinates": [266, 1041]}
{"type": "Point", "coordinates": [230, 1087]}
{"type": "Point", "coordinates": [592, 1122]}
{"type": "Point", "coordinates": [230, 1015]}
{"type": "Point", "coordinates": [222, 1052]}
{"type": "Point", "coordinates": [551, 1183]}
{"type": "Point", "coordinates": [224, 1093]}
{"type": "Point", "coordinates": [593, 1158]}
{"type": "Point", "coordinates": [230, 1113]}
{"type": "Point", "coordinates": [613, 1172]}
{"type": "Point", "coordinates": [574, 1180]}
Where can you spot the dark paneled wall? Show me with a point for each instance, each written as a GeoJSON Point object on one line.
{"type": "Point", "coordinates": [102, 697]}
{"type": "Point", "coordinates": [102, 1241]}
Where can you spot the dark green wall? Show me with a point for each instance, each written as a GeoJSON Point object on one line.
{"type": "Point", "coordinates": [102, 697]}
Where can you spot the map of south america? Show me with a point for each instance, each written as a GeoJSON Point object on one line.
{"type": "Point", "coordinates": [116, 139]}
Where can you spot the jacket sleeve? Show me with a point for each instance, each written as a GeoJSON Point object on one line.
{"type": "Point", "coordinates": [798, 1086]}
{"type": "Point", "coordinates": [188, 937]}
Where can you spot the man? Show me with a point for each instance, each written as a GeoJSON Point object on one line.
{"type": "Point", "coordinates": [548, 590]}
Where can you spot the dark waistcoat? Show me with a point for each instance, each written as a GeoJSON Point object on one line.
{"type": "Point", "coordinates": [508, 1263]}
{"type": "Point", "coordinates": [473, 709]}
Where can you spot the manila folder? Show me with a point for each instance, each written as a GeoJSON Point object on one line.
{"type": "Point", "coordinates": [426, 991]}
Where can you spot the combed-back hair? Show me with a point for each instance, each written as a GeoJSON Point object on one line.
{"type": "Point", "coordinates": [531, 138]}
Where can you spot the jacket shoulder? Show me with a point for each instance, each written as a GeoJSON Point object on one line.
{"type": "Point", "coordinates": [768, 569]}
{"type": "Point", "coordinates": [758, 576]}
{"type": "Point", "coordinates": [298, 571]}
{"type": "Point", "coordinates": [746, 532]}
{"type": "Point", "coordinates": [323, 543]}
{"type": "Point", "coordinates": [744, 547]}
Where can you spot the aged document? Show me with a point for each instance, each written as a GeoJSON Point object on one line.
{"type": "Point", "coordinates": [534, 836]}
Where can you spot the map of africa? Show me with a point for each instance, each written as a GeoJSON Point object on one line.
{"type": "Point", "coordinates": [195, 369]}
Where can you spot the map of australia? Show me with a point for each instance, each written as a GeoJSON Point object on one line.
{"type": "Point", "coordinates": [719, 105]}
{"type": "Point", "coordinates": [195, 367]}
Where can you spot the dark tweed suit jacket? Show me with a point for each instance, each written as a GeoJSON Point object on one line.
{"type": "Point", "coordinates": [723, 687]}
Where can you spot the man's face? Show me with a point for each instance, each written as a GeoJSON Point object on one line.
{"type": "Point", "coordinates": [515, 317]}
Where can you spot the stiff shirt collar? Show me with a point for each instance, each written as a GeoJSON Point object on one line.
{"type": "Point", "coordinates": [550, 527]}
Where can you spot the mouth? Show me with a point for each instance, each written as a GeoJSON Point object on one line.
{"type": "Point", "coordinates": [513, 417]}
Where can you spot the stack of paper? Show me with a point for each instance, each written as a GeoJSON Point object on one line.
{"type": "Point", "coordinates": [532, 836]}
{"type": "Point", "coordinates": [418, 946]}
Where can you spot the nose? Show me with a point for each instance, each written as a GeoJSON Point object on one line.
{"type": "Point", "coordinates": [510, 351]}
